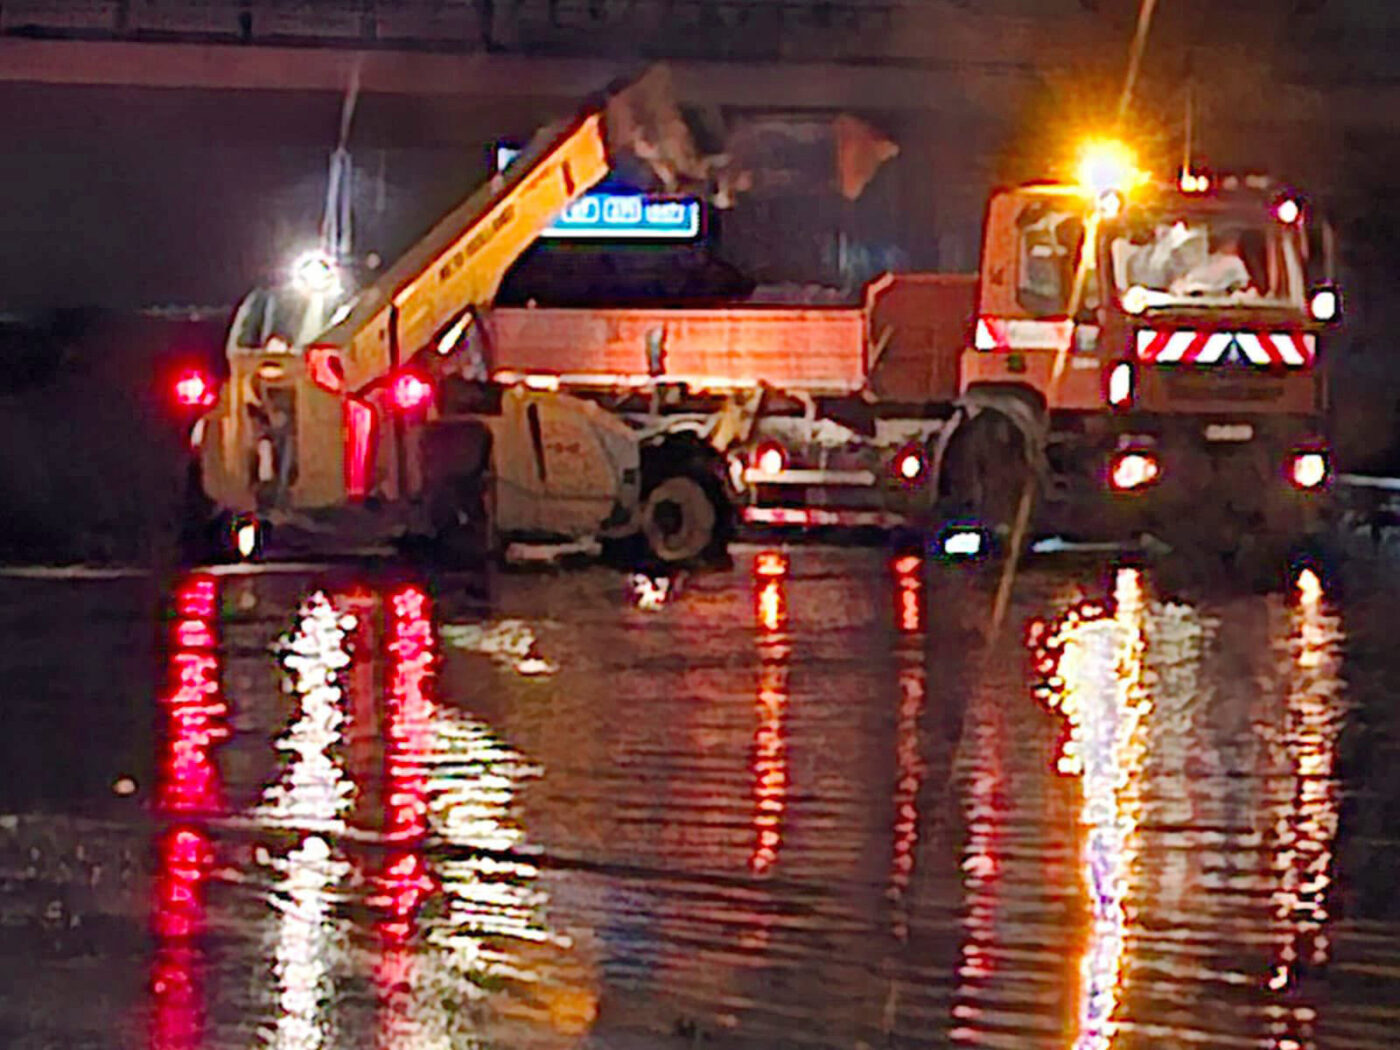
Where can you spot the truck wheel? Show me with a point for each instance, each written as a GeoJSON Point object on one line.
{"type": "Point", "coordinates": [208, 535]}
{"type": "Point", "coordinates": [462, 523]}
{"type": "Point", "coordinates": [457, 476]}
{"type": "Point", "coordinates": [681, 520]}
{"type": "Point", "coordinates": [986, 471]}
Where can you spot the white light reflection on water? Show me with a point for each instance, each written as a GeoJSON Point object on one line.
{"type": "Point", "coordinates": [314, 792]}
{"type": "Point", "coordinates": [313, 795]}
{"type": "Point", "coordinates": [308, 940]}
{"type": "Point", "coordinates": [1305, 825]}
{"type": "Point", "coordinates": [1097, 685]}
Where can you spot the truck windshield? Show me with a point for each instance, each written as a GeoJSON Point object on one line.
{"type": "Point", "coordinates": [1190, 260]}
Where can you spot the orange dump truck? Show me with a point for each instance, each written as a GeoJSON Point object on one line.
{"type": "Point", "coordinates": [1134, 362]}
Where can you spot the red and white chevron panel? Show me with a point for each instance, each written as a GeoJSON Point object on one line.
{"type": "Point", "coordinates": [1183, 346]}
{"type": "Point", "coordinates": [1010, 333]}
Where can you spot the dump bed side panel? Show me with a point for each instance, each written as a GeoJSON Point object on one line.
{"type": "Point", "coordinates": [819, 350]}
{"type": "Point", "coordinates": [919, 325]}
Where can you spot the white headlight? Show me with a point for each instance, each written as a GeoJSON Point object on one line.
{"type": "Point", "coordinates": [1135, 299]}
{"type": "Point", "coordinates": [315, 273]}
{"type": "Point", "coordinates": [1120, 384]}
{"type": "Point", "coordinates": [962, 544]}
{"type": "Point", "coordinates": [1324, 304]}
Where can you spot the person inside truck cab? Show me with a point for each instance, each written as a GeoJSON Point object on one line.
{"type": "Point", "coordinates": [1221, 271]}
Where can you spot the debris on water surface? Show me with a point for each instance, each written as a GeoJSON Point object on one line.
{"type": "Point", "coordinates": [508, 642]}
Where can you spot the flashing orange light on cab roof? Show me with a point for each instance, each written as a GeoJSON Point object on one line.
{"type": "Point", "coordinates": [1106, 166]}
{"type": "Point", "coordinates": [193, 389]}
{"type": "Point", "coordinates": [411, 392]}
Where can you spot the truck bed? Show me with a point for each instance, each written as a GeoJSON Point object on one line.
{"type": "Point", "coordinates": [799, 349]}
{"type": "Point", "coordinates": [903, 343]}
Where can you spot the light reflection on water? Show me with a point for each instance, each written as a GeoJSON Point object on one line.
{"type": "Point", "coordinates": [1306, 821]}
{"type": "Point", "coordinates": [740, 828]}
{"type": "Point", "coordinates": [1096, 684]}
{"type": "Point", "coordinates": [418, 828]}
{"type": "Point", "coordinates": [189, 791]}
{"type": "Point", "coordinates": [1125, 681]}
{"type": "Point", "coordinates": [770, 769]}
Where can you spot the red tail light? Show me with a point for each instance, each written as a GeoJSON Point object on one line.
{"type": "Point", "coordinates": [411, 392]}
{"type": "Point", "coordinates": [324, 367]}
{"type": "Point", "coordinates": [770, 564]}
{"type": "Point", "coordinates": [193, 389]}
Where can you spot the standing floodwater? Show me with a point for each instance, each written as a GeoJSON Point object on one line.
{"type": "Point", "coordinates": [798, 803]}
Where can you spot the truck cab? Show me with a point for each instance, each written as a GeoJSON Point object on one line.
{"type": "Point", "coordinates": [1166, 338]}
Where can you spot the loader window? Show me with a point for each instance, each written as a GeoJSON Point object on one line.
{"type": "Point", "coordinates": [1051, 239]}
{"type": "Point", "coordinates": [269, 313]}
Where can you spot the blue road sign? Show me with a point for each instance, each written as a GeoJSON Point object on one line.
{"type": "Point", "coordinates": [621, 214]}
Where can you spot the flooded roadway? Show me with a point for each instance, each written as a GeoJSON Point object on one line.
{"type": "Point", "coordinates": [801, 803]}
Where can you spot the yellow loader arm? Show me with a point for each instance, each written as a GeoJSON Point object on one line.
{"type": "Point", "coordinates": [460, 262]}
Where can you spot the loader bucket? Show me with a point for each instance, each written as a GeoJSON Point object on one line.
{"type": "Point", "coordinates": [648, 138]}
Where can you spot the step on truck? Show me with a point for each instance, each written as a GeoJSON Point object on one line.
{"type": "Point", "coordinates": [361, 414]}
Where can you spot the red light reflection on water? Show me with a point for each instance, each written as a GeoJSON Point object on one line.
{"type": "Point", "coordinates": [196, 711]}
{"type": "Point", "coordinates": [909, 764]}
{"type": "Point", "coordinates": [188, 785]}
{"type": "Point", "coordinates": [405, 881]}
{"type": "Point", "coordinates": [770, 769]}
{"type": "Point", "coordinates": [984, 810]}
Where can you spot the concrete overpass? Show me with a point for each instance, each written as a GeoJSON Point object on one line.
{"type": "Point", "coordinates": [143, 170]}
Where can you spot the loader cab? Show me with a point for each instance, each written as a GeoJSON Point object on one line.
{"type": "Point", "coordinates": [261, 443]}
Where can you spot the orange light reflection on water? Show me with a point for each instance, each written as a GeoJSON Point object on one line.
{"type": "Point", "coordinates": [909, 763]}
{"type": "Point", "coordinates": [770, 768]}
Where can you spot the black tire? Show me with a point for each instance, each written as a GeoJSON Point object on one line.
{"type": "Point", "coordinates": [986, 472]}
{"type": "Point", "coordinates": [462, 525]}
{"type": "Point", "coordinates": [457, 476]}
{"type": "Point", "coordinates": [683, 519]}
{"type": "Point", "coordinates": [204, 532]}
